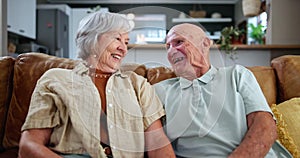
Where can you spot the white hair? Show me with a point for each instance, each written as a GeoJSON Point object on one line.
{"type": "Point", "coordinates": [93, 26]}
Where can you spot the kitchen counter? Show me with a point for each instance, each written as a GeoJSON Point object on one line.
{"type": "Point", "coordinates": [247, 55]}
{"type": "Point", "coordinates": [239, 47]}
{"type": "Point", "coordinates": [268, 46]}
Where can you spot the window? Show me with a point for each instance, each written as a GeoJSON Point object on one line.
{"type": "Point", "coordinates": [260, 19]}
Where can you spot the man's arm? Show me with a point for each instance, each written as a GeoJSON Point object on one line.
{"type": "Point", "coordinates": [259, 138]}
{"type": "Point", "coordinates": [33, 144]}
{"type": "Point", "coordinates": [157, 143]}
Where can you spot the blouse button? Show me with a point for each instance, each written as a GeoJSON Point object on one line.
{"type": "Point", "coordinates": [110, 105]}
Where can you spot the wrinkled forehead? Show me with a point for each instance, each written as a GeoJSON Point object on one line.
{"type": "Point", "coordinates": [189, 32]}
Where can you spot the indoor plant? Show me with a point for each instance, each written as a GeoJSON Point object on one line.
{"type": "Point", "coordinates": [230, 35]}
{"type": "Point", "coordinates": [257, 33]}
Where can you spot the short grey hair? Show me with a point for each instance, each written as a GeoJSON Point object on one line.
{"type": "Point", "coordinates": [93, 26]}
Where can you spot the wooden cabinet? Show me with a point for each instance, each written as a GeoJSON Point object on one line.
{"type": "Point", "coordinates": [21, 17]}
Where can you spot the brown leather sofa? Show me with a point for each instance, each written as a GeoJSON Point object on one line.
{"type": "Point", "coordinates": [18, 77]}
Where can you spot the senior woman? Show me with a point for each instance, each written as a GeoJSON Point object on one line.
{"type": "Point", "coordinates": [95, 110]}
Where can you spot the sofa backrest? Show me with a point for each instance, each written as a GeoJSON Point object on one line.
{"type": "Point", "coordinates": [287, 69]}
{"type": "Point", "coordinates": [27, 70]}
{"type": "Point", "coordinates": [266, 79]}
{"type": "Point", "coordinates": [6, 75]}
{"type": "Point", "coordinates": [264, 75]}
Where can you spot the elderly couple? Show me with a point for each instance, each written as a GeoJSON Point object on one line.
{"type": "Point", "coordinates": [95, 110]}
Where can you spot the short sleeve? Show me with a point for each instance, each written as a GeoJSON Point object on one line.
{"type": "Point", "coordinates": [42, 112]}
{"type": "Point", "coordinates": [250, 91]}
{"type": "Point", "coordinates": [151, 105]}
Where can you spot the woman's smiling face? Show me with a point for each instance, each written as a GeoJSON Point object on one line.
{"type": "Point", "coordinates": [112, 49]}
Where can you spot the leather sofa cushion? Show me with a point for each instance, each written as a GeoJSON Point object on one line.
{"type": "Point", "coordinates": [157, 74]}
{"type": "Point", "coordinates": [265, 77]}
{"type": "Point", "coordinates": [6, 75]}
{"type": "Point", "coordinates": [288, 73]}
{"type": "Point", "coordinates": [139, 69]}
{"type": "Point", "coordinates": [11, 153]}
{"type": "Point", "coordinates": [28, 69]}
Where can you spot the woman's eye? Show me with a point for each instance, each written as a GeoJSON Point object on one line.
{"type": "Point", "coordinates": [118, 38]}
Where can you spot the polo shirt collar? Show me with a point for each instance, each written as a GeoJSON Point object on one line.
{"type": "Point", "coordinates": [207, 77]}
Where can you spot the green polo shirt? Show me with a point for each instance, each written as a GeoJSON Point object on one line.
{"type": "Point", "coordinates": [206, 117]}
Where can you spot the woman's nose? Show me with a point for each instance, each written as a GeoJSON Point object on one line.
{"type": "Point", "coordinates": [123, 47]}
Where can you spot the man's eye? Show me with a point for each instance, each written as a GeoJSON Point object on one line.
{"type": "Point", "coordinates": [179, 42]}
{"type": "Point", "coordinates": [118, 38]}
{"type": "Point", "coordinates": [167, 46]}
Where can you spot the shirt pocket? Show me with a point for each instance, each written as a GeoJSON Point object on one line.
{"type": "Point", "coordinates": [127, 102]}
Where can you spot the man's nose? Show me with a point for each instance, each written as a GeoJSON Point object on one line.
{"type": "Point", "coordinates": [171, 49]}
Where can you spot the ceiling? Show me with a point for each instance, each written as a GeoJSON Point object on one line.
{"type": "Point", "coordinates": [144, 1]}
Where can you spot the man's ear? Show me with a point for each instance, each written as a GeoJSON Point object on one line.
{"type": "Point", "coordinates": [207, 42]}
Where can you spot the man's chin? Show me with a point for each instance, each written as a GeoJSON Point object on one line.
{"type": "Point", "coordinates": [185, 72]}
{"type": "Point", "coordinates": [179, 72]}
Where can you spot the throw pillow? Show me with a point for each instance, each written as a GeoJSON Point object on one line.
{"type": "Point", "coordinates": [288, 123]}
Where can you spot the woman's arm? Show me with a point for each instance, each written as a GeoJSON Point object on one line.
{"type": "Point", "coordinates": [33, 144]}
{"type": "Point", "coordinates": [157, 143]}
{"type": "Point", "coordinates": [259, 138]}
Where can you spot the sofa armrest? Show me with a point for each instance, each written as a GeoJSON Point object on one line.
{"type": "Point", "coordinates": [6, 80]}
{"type": "Point", "coordinates": [28, 68]}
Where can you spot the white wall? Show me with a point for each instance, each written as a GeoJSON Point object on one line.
{"type": "Point", "coordinates": [152, 57]}
{"type": "Point", "coordinates": [3, 28]}
{"type": "Point", "coordinates": [284, 22]}
{"type": "Point", "coordinates": [76, 14]}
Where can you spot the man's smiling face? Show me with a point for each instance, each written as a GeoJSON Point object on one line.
{"type": "Point", "coordinates": [188, 48]}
